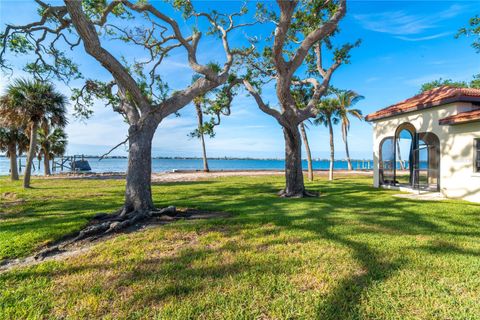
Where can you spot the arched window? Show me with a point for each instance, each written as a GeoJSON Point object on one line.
{"type": "Point", "coordinates": [427, 162]}
{"type": "Point", "coordinates": [405, 142]}
{"type": "Point", "coordinates": [410, 159]}
{"type": "Point", "coordinates": [387, 161]}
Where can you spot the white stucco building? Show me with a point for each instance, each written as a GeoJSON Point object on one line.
{"type": "Point", "coordinates": [430, 142]}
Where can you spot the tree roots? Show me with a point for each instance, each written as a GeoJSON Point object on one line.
{"type": "Point", "coordinates": [114, 223]}
{"type": "Point", "coordinates": [105, 224]}
{"type": "Point", "coordinates": [300, 194]}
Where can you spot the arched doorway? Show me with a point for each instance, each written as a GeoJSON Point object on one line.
{"type": "Point", "coordinates": [405, 142]}
{"type": "Point", "coordinates": [410, 159]}
{"type": "Point", "coordinates": [427, 162]}
{"type": "Point", "coordinates": [387, 161]}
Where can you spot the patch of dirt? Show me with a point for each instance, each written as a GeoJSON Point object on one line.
{"type": "Point", "coordinates": [9, 199]}
{"type": "Point", "coordinates": [69, 245]}
{"type": "Point", "coordinates": [10, 196]}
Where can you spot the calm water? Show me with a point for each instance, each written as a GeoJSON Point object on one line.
{"type": "Point", "coordinates": [163, 165]}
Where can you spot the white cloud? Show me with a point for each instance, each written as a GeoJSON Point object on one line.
{"type": "Point", "coordinates": [437, 62]}
{"type": "Point", "coordinates": [372, 79]}
{"type": "Point", "coordinates": [178, 122]}
{"type": "Point", "coordinates": [431, 37]}
{"type": "Point", "coordinates": [401, 23]}
{"type": "Point", "coordinates": [395, 22]}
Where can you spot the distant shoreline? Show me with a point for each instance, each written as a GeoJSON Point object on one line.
{"type": "Point", "coordinates": [160, 165]}
{"type": "Point", "coordinates": [199, 158]}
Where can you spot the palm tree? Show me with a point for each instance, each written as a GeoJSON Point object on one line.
{"type": "Point", "coordinates": [346, 99]}
{"type": "Point", "coordinates": [303, 132]}
{"type": "Point", "coordinates": [33, 104]}
{"type": "Point", "coordinates": [12, 141]}
{"type": "Point", "coordinates": [52, 144]}
{"type": "Point", "coordinates": [328, 116]}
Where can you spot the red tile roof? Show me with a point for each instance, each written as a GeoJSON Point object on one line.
{"type": "Point", "coordinates": [463, 117]}
{"type": "Point", "coordinates": [428, 99]}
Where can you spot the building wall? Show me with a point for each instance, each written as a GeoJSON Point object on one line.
{"type": "Point", "coordinates": [457, 176]}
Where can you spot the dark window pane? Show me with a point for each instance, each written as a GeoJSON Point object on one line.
{"type": "Point", "coordinates": [477, 158]}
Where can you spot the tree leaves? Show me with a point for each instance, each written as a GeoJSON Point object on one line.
{"type": "Point", "coordinates": [474, 83]}
{"type": "Point", "coordinates": [473, 30]}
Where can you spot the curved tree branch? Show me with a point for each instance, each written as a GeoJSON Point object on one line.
{"type": "Point", "coordinates": [91, 42]}
{"type": "Point", "coordinates": [261, 104]}
{"type": "Point", "coordinates": [315, 36]}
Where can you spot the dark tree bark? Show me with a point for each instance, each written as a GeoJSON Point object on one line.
{"type": "Point", "coordinates": [332, 148]}
{"type": "Point", "coordinates": [12, 151]}
{"type": "Point", "coordinates": [307, 151]}
{"type": "Point", "coordinates": [138, 192]}
{"type": "Point", "coordinates": [198, 108]}
{"type": "Point", "coordinates": [293, 163]}
{"type": "Point", "coordinates": [46, 164]}
{"type": "Point", "coordinates": [30, 154]}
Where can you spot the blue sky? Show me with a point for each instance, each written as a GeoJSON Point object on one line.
{"type": "Point", "coordinates": [404, 44]}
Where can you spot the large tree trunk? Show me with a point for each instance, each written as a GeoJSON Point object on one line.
{"type": "Point", "coordinates": [46, 164]}
{"type": "Point", "coordinates": [293, 163]}
{"type": "Point", "coordinates": [138, 193]}
{"type": "Point", "coordinates": [332, 150]}
{"type": "Point", "coordinates": [202, 138]}
{"type": "Point", "coordinates": [30, 155]}
{"type": "Point", "coordinates": [307, 150]}
{"type": "Point", "coordinates": [12, 151]}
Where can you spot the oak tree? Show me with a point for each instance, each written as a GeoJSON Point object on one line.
{"type": "Point", "coordinates": [137, 90]}
{"type": "Point", "coordinates": [303, 30]}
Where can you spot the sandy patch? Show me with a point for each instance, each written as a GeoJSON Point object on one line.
{"type": "Point", "coordinates": [179, 176]}
{"type": "Point", "coordinates": [430, 196]}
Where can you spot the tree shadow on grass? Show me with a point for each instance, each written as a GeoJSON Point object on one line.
{"type": "Point", "coordinates": [344, 212]}
{"type": "Point", "coordinates": [384, 214]}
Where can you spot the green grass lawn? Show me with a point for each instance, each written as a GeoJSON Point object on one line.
{"type": "Point", "coordinates": [354, 253]}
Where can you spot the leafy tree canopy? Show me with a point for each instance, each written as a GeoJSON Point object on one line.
{"type": "Point", "coordinates": [474, 83]}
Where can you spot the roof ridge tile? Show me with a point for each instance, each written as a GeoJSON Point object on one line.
{"type": "Point", "coordinates": [427, 99]}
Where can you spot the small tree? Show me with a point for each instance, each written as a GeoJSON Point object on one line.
{"type": "Point", "coordinates": [328, 116]}
{"type": "Point", "coordinates": [346, 99]}
{"type": "Point", "coordinates": [51, 144]}
{"type": "Point", "coordinates": [12, 142]}
{"type": "Point", "coordinates": [33, 103]}
{"type": "Point", "coordinates": [473, 30]}
{"type": "Point", "coordinates": [201, 130]}
{"type": "Point", "coordinates": [474, 83]}
{"type": "Point", "coordinates": [303, 29]}
{"type": "Point", "coordinates": [303, 132]}
{"type": "Point", "coordinates": [215, 108]}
